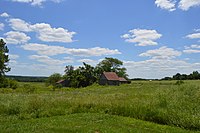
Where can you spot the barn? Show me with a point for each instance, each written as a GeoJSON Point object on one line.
{"type": "Point", "coordinates": [109, 78]}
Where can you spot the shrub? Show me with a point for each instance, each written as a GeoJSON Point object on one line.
{"type": "Point", "coordinates": [29, 88]}
{"type": "Point", "coordinates": [13, 84]}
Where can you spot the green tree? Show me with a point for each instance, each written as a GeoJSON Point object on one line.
{"type": "Point", "coordinates": [69, 70]}
{"type": "Point", "coordinates": [3, 59]}
{"type": "Point", "coordinates": [82, 76]}
{"type": "Point", "coordinates": [53, 79]}
{"type": "Point", "coordinates": [111, 65]}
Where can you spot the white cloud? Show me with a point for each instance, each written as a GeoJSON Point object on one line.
{"type": "Point", "coordinates": [193, 36]}
{"type": "Point", "coordinates": [32, 69]}
{"type": "Point", "coordinates": [142, 37]}
{"type": "Point", "coordinates": [162, 63]}
{"type": "Point", "coordinates": [1, 26]}
{"type": "Point", "coordinates": [159, 68]}
{"type": "Point", "coordinates": [50, 61]}
{"type": "Point", "coordinates": [14, 37]}
{"type": "Point", "coordinates": [96, 51]}
{"type": "Point", "coordinates": [45, 31]}
{"type": "Point", "coordinates": [13, 56]}
{"type": "Point", "coordinates": [187, 4]}
{"type": "Point", "coordinates": [5, 15]}
{"type": "Point", "coordinates": [48, 34]}
{"type": "Point", "coordinates": [36, 2]}
{"type": "Point", "coordinates": [13, 60]}
{"type": "Point", "coordinates": [89, 61]}
{"type": "Point", "coordinates": [192, 49]}
{"type": "Point", "coordinates": [43, 49]}
{"type": "Point", "coordinates": [19, 25]}
{"type": "Point", "coordinates": [166, 4]}
{"type": "Point", "coordinates": [161, 53]}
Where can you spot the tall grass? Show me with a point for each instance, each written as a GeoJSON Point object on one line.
{"type": "Point", "coordinates": [161, 102]}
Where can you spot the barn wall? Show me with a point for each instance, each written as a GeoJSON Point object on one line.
{"type": "Point", "coordinates": [103, 80]}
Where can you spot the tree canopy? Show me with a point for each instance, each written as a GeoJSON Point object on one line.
{"type": "Point", "coordinates": [111, 65]}
{"type": "Point", "coordinates": [3, 58]}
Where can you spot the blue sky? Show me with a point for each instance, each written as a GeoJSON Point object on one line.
{"type": "Point", "coordinates": [154, 38]}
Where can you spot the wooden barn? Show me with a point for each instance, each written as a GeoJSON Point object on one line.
{"type": "Point", "coordinates": [63, 83]}
{"type": "Point", "coordinates": [109, 78]}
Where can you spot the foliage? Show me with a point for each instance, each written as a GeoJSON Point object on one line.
{"type": "Point", "coordinates": [81, 77]}
{"type": "Point", "coordinates": [87, 75]}
{"type": "Point", "coordinates": [27, 78]}
{"type": "Point", "coordinates": [3, 58]}
{"type": "Point", "coordinates": [29, 88]}
{"type": "Point", "coordinates": [8, 83]}
{"type": "Point", "coordinates": [53, 79]}
{"type": "Point", "coordinates": [193, 76]}
{"type": "Point", "coordinates": [111, 65]}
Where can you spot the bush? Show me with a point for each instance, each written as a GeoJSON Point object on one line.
{"type": "Point", "coordinates": [29, 88]}
{"type": "Point", "coordinates": [8, 83]}
{"type": "Point", "coordinates": [13, 84]}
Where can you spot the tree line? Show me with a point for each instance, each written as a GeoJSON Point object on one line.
{"type": "Point", "coordinates": [87, 75]}
{"type": "Point", "coordinates": [195, 75]}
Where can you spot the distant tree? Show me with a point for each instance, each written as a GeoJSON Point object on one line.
{"type": "Point", "coordinates": [167, 78]}
{"type": "Point", "coordinates": [3, 59]}
{"type": "Point", "coordinates": [111, 65]}
{"type": "Point", "coordinates": [53, 79]}
{"type": "Point", "coordinates": [177, 76]}
{"type": "Point", "coordinates": [194, 75]}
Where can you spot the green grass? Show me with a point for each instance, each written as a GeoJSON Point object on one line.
{"type": "Point", "coordinates": [161, 102]}
{"type": "Point", "coordinates": [87, 123]}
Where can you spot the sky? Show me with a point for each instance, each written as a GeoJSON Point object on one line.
{"type": "Point", "coordinates": [153, 38]}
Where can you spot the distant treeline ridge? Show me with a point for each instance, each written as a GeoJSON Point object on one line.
{"type": "Point", "coordinates": [27, 78]}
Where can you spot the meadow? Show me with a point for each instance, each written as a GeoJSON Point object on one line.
{"type": "Point", "coordinates": [142, 106]}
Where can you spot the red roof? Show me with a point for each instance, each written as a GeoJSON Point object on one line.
{"type": "Point", "coordinates": [111, 76]}
{"type": "Point", "coordinates": [122, 79]}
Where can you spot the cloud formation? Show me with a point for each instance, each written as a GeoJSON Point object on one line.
{"type": "Point", "coordinates": [170, 5]}
{"type": "Point", "coordinates": [161, 53]}
{"type": "Point", "coordinates": [36, 2]}
{"type": "Point", "coordinates": [44, 31]}
{"type": "Point", "coordinates": [19, 25]}
{"type": "Point", "coordinates": [195, 48]}
{"type": "Point", "coordinates": [142, 37]}
{"type": "Point", "coordinates": [43, 49]}
{"type": "Point", "coordinates": [5, 15]}
{"type": "Point", "coordinates": [194, 36]}
{"type": "Point", "coordinates": [50, 61]}
{"type": "Point", "coordinates": [1, 26]}
{"type": "Point", "coordinates": [159, 68]}
{"type": "Point", "coordinates": [187, 4]}
{"type": "Point", "coordinates": [14, 37]}
{"type": "Point", "coordinates": [162, 63]}
{"type": "Point", "coordinates": [166, 4]}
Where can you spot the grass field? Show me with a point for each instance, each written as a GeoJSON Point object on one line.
{"type": "Point", "coordinates": [142, 106]}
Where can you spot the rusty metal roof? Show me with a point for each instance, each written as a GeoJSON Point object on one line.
{"type": "Point", "coordinates": [122, 79]}
{"type": "Point", "coordinates": [111, 76]}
